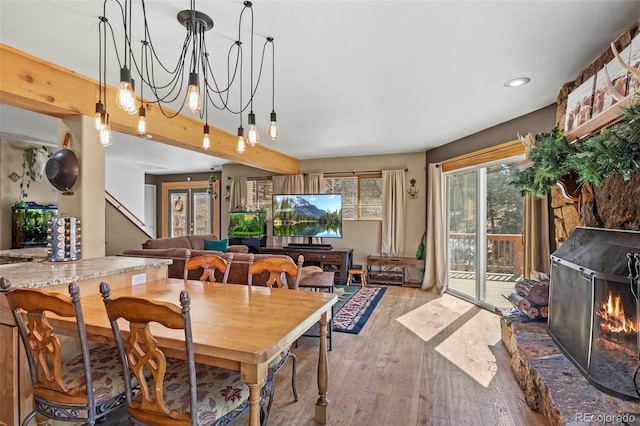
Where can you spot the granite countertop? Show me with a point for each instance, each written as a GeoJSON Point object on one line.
{"type": "Point", "coordinates": [43, 273]}
{"type": "Point", "coordinates": [39, 253]}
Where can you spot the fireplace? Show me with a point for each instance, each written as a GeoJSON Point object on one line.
{"type": "Point", "coordinates": [593, 306]}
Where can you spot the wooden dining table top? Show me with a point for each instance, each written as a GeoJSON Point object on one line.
{"type": "Point", "coordinates": [234, 326]}
{"type": "Point", "coordinates": [230, 322]}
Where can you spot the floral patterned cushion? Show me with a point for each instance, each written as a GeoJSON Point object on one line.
{"type": "Point", "coordinates": [219, 391]}
{"type": "Point", "coordinates": [279, 361]}
{"type": "Point", "coordinates": [106, 372]}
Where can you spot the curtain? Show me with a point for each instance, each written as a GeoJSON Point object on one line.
{"type": "Point", "coordinates": [394, 205]}
{"type": "Point", "coordinates": [287, 184]}
{"type": "Point", "coordinates": [537, 250]}
{"type": "Point", "coordinates": [238, 193]}
{"type": "Point", "coordinates": [435, 274]}
{"type": "Point", "coordinates": [313, 184]}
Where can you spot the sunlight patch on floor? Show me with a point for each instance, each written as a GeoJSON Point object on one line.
{"type": "Point", "coordinates": [460, 332]}
{"type": "Point", "coordinates": [431, 318]}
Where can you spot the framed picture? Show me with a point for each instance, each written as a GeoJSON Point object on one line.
{"type": "Point", "coordinates": [602, 97]}
{"type": "Point", "coordinates": [579, 104]}
{"type": "Point", "coordinates": [634, 61]}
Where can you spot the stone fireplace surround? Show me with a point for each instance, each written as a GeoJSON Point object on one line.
{"type": "Point", "coordinates": [550, 381]}
{"type": "Point", "coordinates": [552, 384]}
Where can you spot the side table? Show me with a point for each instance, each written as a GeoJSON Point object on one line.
{"type": "Point", "coordinates": [392, 270]}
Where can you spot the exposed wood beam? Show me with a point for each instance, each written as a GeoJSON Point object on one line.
{"type": "Point", "coordinates": [33, 84]}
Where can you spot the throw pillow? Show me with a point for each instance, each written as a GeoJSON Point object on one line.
{"type": "Point", "coordinates": [218, 245]}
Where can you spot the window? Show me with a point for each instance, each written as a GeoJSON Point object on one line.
{"type": "Point", "coordinates": [259, 193]}
{"type": "Point", "coordinates": [361, 194]}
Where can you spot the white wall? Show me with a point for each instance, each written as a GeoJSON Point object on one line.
{"type": "Point", "coordinates": [125, 181]}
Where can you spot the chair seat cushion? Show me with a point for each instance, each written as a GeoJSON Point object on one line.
{"type": "Point", "coordinates": [277, 363]}
{"type": "Point", "coordinates": [106, 372]}
{"type": "Point", "coordinates": [220, 391]}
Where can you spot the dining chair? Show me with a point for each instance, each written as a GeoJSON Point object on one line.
{"type": "Point", "coordinates": [179, 392]}
{"type": "Point", "coordinates": [278, 268]}
{"type": "Point", "coordinates": [209, 263]}
{"type": "Point", "coordinates": [60, 390]}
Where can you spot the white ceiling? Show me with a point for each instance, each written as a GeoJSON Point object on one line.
{"type": "Point", "coordinates": [352, 77]}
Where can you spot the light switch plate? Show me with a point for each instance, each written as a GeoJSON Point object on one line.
{"type": "Point", "coordinates": [139, 278]}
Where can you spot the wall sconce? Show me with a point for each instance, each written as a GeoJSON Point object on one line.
{"type": "Point", "coordinates": [227, 193]}
{"type": "Point", "coordinates": [211, 187]}
{"type": "Point", "coordinates": [413, 191]}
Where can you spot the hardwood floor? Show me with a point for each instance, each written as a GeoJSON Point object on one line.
{"type": "Point", "coordinates": [420, 360]}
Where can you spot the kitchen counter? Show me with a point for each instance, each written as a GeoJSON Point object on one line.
{"type": "Point", "coordinates": [43, 273]}
{"type": "Point", "coordinates": [118, 271]}
{"type": "Point", "coordinates": [39, 253]}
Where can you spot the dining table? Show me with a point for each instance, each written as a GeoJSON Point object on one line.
{"type": "Point", "coordinates": [234, 326]}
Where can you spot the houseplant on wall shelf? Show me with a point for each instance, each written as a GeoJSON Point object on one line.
{"type": "Point", "coordinates": [33, 163]}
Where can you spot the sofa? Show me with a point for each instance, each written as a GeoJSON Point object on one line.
{"type": "Point", "coordinates": [181, 249]}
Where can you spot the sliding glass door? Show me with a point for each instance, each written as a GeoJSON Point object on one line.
{"type": "Point", "coordinates": [485, 229]}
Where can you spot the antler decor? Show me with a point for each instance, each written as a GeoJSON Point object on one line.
{"type": "Point", "coordinates": [529, 141]}
{"type": "Point", "coordinates": [632, 70]}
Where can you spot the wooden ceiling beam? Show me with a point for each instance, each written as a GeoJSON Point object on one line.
{"type": "Point", "coordinates": [36, 85]}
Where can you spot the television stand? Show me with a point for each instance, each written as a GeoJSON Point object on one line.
{"type": "Point", "coordinates": [337, 260]}
{"type": "Point", "coordinates": [309, 246]}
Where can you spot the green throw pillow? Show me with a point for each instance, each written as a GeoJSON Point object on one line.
{"type": "Point", "coordinates": [218, 245]}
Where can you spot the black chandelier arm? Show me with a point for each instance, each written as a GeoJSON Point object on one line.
{"type": "Point", "coordinates": [101, 29]}
{"type": "Point", "coordinates": [166, 84]}
{"type": "Point", "coordinates": [264, 49]}
{"type": "Point", "coordinates": [273, 73]}
{"type": "Point", "coordinates": [225, 103]}
{"type": "Point", "coordinates": [176, 75]}
{"type": "Point", "coordinates": [183, 53]}
{"type": "Point", "coordinates": [127, 42]}
{"type": "Point", "coordinates": [230, 78]}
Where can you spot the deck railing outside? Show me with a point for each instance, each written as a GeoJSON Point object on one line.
{"type": "Point", "coordinates": [504, 253]}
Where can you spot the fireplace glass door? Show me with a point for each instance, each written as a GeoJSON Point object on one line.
{"type": "Point", "coordinates": [593, 306]}
{"type": "Point", "coordinates": [615, 337]}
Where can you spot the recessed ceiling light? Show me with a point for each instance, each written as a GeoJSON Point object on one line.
{"type": "Point", "coordinates": [517, 82]}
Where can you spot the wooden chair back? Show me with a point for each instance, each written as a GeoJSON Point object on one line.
{"type": "Point", "coordinates": [44, 349]}
{"type": "Point", "coordinates": [277, 267]}
{"type": "Point", "coordinates": [141, 354]}
{"type": "Point", "coordinates": [210, 263]}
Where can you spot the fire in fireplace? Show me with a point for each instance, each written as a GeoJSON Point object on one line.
{"type": "Point", "coordinates": [613, 319]}
{"type": "Point", "coordinates": [593, 306]}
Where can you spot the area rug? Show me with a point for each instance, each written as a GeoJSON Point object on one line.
{"type": "Point", "coordinates": [351, 315]}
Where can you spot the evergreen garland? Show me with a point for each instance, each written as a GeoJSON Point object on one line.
{"type": "Point", "coordinates": [550, 162]}
{"type": "Point", "coordinates": [614, 150]}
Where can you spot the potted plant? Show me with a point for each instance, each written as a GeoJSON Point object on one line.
{"type": "Point", "coordinates": [33, 164]}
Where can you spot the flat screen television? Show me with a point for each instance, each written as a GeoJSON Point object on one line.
{"type": "Point", "coordinates": [307, 215]}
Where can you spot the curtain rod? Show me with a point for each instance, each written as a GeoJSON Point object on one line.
{"type": "Point", "coordinates": [254, 178]}
{"type": "Point", "coordinates": [353, 172]}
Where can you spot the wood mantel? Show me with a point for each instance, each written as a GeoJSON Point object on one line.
{"type": "Point", "coordinates": [36, 85]}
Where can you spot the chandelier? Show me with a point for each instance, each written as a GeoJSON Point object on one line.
{"type": "Point", "coordinates": [164, 83]}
